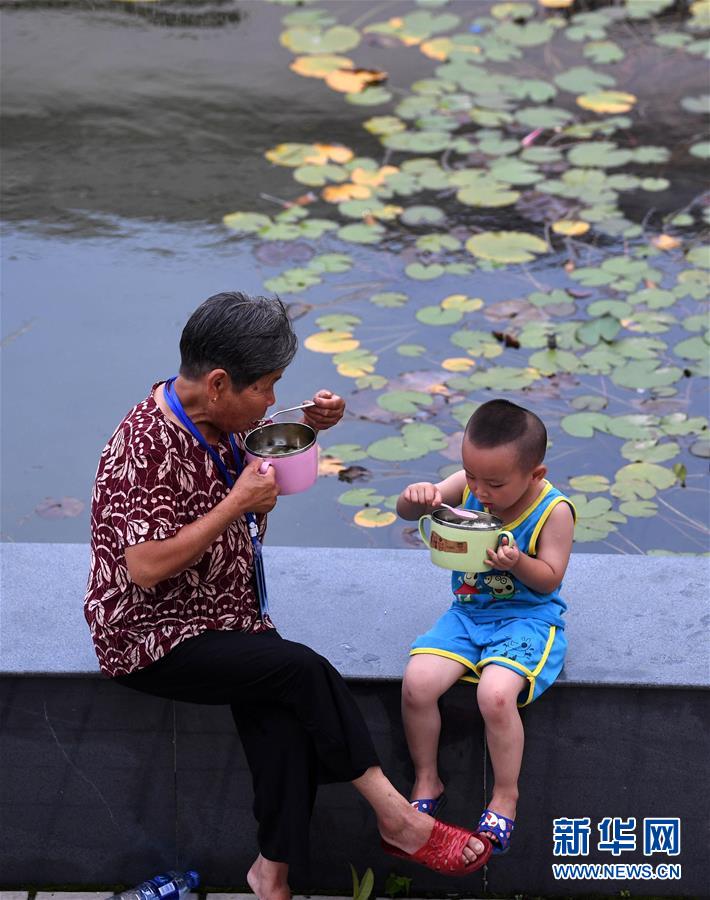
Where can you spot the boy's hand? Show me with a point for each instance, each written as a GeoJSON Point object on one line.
{"type": "Point", "coordinates": [328, 411]}
{"type": "Point", "coordinates": [504, 558]}
{"type": "Point", "coordinates": [424, 493]}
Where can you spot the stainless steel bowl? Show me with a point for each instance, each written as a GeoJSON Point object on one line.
{"type": "Point", "coordinates": [483, 522]}
{"type": "Point", "coordinates": [280, 439]}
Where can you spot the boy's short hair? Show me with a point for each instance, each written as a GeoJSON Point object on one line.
{"type": "Point", "coordinates": [500, 422]}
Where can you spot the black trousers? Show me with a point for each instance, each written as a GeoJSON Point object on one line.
{"type": "Point", "coordinates": [298, 722]}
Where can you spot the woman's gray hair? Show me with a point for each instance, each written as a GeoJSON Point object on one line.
{"type": "Point", "coordinates": [248, 337]}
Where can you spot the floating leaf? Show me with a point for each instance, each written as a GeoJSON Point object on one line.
{"type": "Point", "coordinates": [372, 517]}
{"type": "Point", "coordinates": [701, 150]}
{"type": "Point", "coordinates": [331, 342]}
{"type": "Point", "coordinates": [424, 273]}
{"type": "Point", "coordinates": [506, 246]}
{"type": "Point", "coordinates": [361, 497]}
{"type": "Point", "coordinates": [607, 101]}
{"type": "Point", "coordinates": [417, 439]}
{"type": "Point", "coordinates": [643, 509]}
{"type": "Point", "coordinates": [338, 322]}
{"type": "Point", "coordinates": [645, 374]}
{"type": "Point", "coordinates": [436, 315]}
{"type": "Point", "coordinates": [405, 402]}
{"type": "Point", "coordinates": [346, 452]}
{"type": "Point", "coordinates": [603, 52]}
{"type": "Point", "coordinates": [422, 215]}
{"type": "Point", "coordinates": [350, 80]}
{"type": "Point", "coordinates": [411, 349]}
{"type": "Point", "coordinates": [371, 381]}
{"type": "Point", "coordinates": [247, 223]}
{"type": "Point", "coordinates": [320, 65]}
{"type": "Point", "coordinates": [590, 484]}
{"type": "Point", "coordinates": [462, 302]}
{"type": "Point", "coordinates": [371, 96]}
{"type": "Point", "coordinates": [361, 234]}
{"type": "Point", "coordinates": [649, 451]}
{"type": "Point", "coordinates": [570, 227]}
{"type": "Point", "coordinates": [355, 363]}
{"type": "Point", "coordinates": [313, 40]}
{"type": "Point", "coordinates": [458, 364]}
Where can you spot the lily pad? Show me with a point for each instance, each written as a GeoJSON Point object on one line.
{"type": "Point", "coordinates": [331, 342]}
{"type": "Point", "coordinates": [405, 402]}
{"type": "Point", "coordinates": [417, 440]}
{"type": "Point", "coordinates": [506, 246]}
{"type": "Point", "coordinates": [437, 315]}
{"type": "Point", "coordinates": [372, 517]}
{"type": "Point", "coordinates": [422, 215]}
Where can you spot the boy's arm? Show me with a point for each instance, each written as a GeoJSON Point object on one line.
{"type": "Point", "coordinates": [544, 572]}
{"type": "Point", "coordinates": [420, 498]}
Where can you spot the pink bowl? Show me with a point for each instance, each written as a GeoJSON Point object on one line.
{"type": "Point", "coordinates": [291, 448]}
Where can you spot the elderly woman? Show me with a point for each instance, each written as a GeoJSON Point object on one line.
{"type": "Point", "coordinates": [176, 610]}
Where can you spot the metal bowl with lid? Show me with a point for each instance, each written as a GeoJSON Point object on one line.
{"type": "Point", "coordinates": [472, 521]}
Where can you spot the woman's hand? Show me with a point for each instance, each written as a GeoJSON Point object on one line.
{"type": "Point", "coordinates": [253, 491]}
{"type": "Point", "coordinates": [328, 411]}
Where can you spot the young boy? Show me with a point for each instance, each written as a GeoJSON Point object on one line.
{"type": "Point", "coordinates": [504, 629]}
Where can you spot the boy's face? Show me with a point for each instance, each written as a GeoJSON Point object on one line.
{"type": "Point", "coordinates": [495, 475]}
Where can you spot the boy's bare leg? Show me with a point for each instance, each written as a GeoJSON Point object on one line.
{"type": "Point", "coordinates": [398, 822]}
{"type": "Point", "coordinates": [269, 879]}
{"type": "Point", "coordinates": [426, 678]}
{"type": "Point", "coordinates": [497, 697]}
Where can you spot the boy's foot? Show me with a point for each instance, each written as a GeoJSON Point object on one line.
{"type": "Point", "coordinates": [497, 828]}
{"type": "Point", "coordinates": [430, 806]}
{"type": "Point", "coordinates": [428, 795]}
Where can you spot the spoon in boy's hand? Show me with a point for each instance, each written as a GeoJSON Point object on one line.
{"type": "Point", "coordinates": [462, 513]}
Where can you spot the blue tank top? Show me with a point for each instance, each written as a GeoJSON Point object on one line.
{"type": "Point", "coordinates": [493, 595]}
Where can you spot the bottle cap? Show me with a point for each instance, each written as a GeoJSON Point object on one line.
{"type": "Point", "coordinates": [192, 878]}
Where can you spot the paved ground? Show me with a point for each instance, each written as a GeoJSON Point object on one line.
{"type": "Point", "coordinates": [89, 895]}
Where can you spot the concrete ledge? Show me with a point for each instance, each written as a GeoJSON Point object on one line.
{"type": "Point", "coordinates": [632, 620]}
{"type": "Point", "coordinates": [101, 785]}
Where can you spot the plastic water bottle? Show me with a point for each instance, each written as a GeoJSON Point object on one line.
{"type": "Point", "coordinates": [170, 886]}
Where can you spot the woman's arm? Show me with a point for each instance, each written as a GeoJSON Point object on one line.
{"type": "Point", "coordinates": [150, 562]}
{"type": "Point", "coordinates": [420, 498]}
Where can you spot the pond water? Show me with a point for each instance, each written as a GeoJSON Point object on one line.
{"type": "Point", "coordinates": [435, 250]}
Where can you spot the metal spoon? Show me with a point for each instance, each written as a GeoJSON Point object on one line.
{"type": "Point", "coordinates": [462, 513]}
{"type": "Point", "coordinates": [293, 408]}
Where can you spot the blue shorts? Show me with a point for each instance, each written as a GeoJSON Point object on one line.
{"type": "Point", "coordinates": [530, 647]}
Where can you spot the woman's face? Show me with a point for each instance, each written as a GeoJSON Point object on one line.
{"type": "Point", "coordinates": [240, 410]}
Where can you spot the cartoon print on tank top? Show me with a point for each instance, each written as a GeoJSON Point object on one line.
{"type": "Point", "coordinates": [496, 585]}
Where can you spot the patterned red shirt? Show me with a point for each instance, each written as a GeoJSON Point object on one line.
{"type": "Point", "coordinates": [154, 478]}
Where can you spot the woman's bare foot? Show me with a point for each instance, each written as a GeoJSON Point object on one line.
{"type": "Point", "coordinates": [409, 830]}
{"type": "Point", "coordinates": [269, 879]}
{"type": "Point", "coordinates": [398, 822]}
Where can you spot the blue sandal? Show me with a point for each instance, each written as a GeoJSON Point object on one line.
{"type": "Point", "coordinates": [430, 807]}
{"type": "Point", "coordinates": [497, 829]}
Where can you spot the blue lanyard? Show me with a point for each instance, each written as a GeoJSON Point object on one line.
{"type": "Point", "coordinates": [173, 401]}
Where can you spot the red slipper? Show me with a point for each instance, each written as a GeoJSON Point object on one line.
{"type": "Point", "coordinates": [443, 851]}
